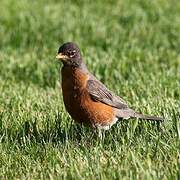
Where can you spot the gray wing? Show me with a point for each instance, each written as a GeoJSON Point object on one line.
{"type": "Point", "coordinates": [99, 92]}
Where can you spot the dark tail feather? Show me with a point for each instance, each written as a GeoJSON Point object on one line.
{"type": "Point", "coordinates": [129, 113]}
{"type": "Point", "coordinates": [146, 117]}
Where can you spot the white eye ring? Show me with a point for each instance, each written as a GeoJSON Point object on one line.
{"type": "Point", "coordinates": [74, 51]}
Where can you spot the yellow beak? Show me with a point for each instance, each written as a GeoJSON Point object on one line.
{"type": "Point", "coordinates": [61, 56]}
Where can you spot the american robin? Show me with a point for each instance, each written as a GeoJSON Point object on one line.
{"type": "Point", "coordinates": [88, 100]}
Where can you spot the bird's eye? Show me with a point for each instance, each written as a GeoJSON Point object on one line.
{"type": "Point", "coordinates": [71, 53]}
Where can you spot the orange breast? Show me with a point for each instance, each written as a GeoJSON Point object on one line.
{"type": "Point", "coordinates": [78, 101]}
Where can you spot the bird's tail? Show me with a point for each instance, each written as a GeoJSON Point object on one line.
{"type": "Point", "coordinates": [147, 117]}
{"type": "Point", "coordinates": [129, 113]}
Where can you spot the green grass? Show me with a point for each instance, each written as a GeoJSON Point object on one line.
{"type": "Point", "coordinates": [132, 46]}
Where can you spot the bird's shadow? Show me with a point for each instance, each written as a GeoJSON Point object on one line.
{"type": "Point", "coordinates": [56, 133]}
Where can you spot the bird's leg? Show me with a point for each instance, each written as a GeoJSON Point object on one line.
{"type": "Point", "coordinates": [100, 133]}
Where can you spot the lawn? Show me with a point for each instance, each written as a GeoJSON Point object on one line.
{"type": "Point", "coordinates": [132, 46]}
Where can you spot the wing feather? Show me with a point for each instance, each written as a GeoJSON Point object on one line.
{"type": "Point", "coordinates": [99, 92]}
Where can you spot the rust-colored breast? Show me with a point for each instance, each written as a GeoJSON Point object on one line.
{"type": "Point", "coordinates": [78, 101]}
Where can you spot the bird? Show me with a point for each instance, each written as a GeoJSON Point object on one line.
{"type": "Point", "coordinates": [87, 100]}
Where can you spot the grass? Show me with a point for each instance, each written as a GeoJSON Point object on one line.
{"type": "Point", "coordinates": [132, 46]}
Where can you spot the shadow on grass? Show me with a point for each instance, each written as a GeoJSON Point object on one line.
{"type": "Point", "coordinates": [58, 132]}
{"type": "Point", "coordinates": [55, 132]}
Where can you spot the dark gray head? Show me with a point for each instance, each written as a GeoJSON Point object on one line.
{"type": "Point", "coordinates": [69, 54]}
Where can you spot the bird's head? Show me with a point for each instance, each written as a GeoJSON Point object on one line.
{"type": "Point", "coordinates": [69, 54]}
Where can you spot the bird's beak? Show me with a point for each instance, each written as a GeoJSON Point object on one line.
{"type": "Point", "coordinates": [62, 57]}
